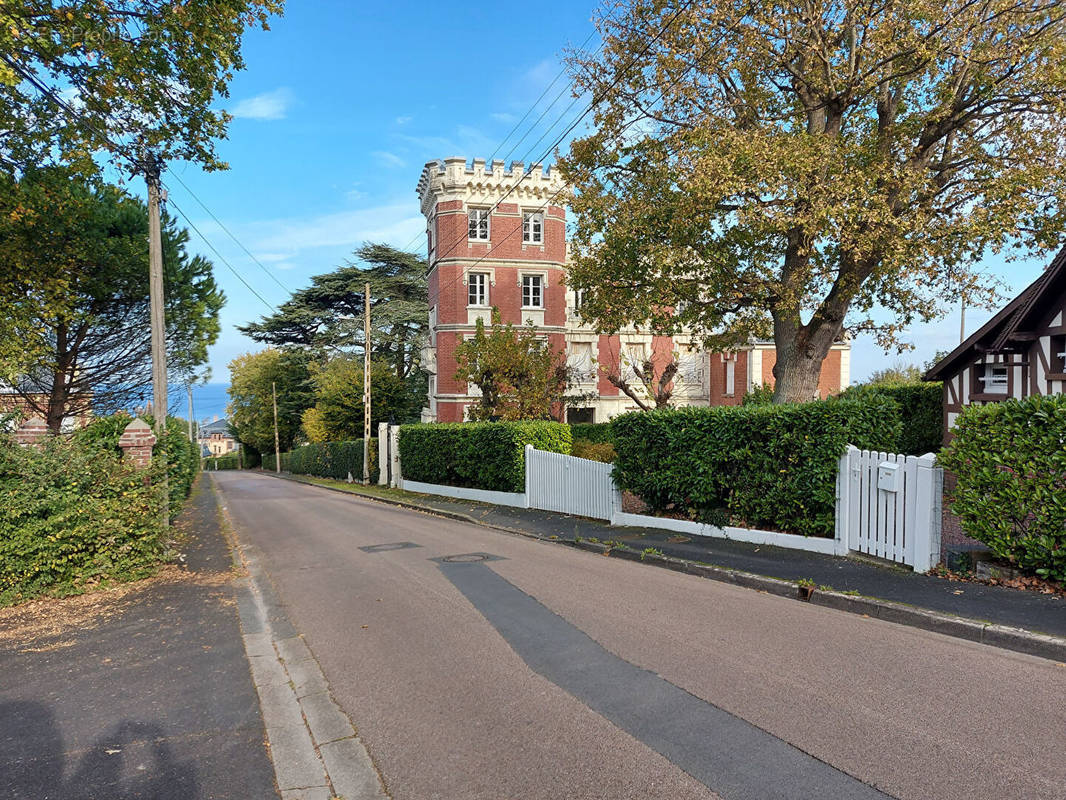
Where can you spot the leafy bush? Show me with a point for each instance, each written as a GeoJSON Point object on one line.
{"type": "Point", "coordinates": [1010, 465]}
{"type": "Point", "coordinates": [181, 455]}
{"type": "Point", "coordinates": [760, 394]}
{"type": "Point", "coordinates": [770, 466]}
{"type": "Point", "coordinates": [482, 455]}
{"type": "Point", "coordinates": [228, 461]}
{"type": "Point", "coordinates": [597, 432]}
{"type": "Point", "coordinates": [921, 412]}
{"type": "Point", "coordinates": [594, 451]}
{"type": "Point", "coordinates": [72, 513]}
{"type": "Point", "coordinates": [329, 460]}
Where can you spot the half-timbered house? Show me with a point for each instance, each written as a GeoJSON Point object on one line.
{"type": "Point", "coordinates": [1020, 352]}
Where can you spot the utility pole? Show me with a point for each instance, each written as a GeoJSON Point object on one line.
{"type": "Point", "coordinates": [366, 386]}
{"type": "Point", "coordinates": [962, 324]}
{"type": "Point", "coordinates": [277, 446]}
{"type": "Point", "coordinates": [188, 389]}
{"type": "Point", "coordinates": [151, 166]}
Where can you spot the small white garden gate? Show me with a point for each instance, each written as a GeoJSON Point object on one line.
{"type": "Point", "coordinates": [889, 506]}
{"type": "Point", "coordinates": [571, 485]}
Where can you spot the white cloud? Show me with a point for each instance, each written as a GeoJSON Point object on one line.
{"type": "Point", "coordinates": [268, 105]}
{"type": "Point", "coordinates": [389, 159]}
{"type": "Point", "coordinates": [503, 116]}
{"type": "Point", "coordinates": [396, 223]}
{"type": "Point", "coordinates": [403, 120]}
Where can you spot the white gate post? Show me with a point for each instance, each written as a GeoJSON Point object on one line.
{"type": "Point", "coordinates": [528, 461]}
{"type": "Point", "coordinates": [395, 477]}
{"type": "Point", "coordinates": [927, 519]}
{"type": "Point", "coordinates": [843, 506]}
{"type": "Point", "coordinates": [383, 454]}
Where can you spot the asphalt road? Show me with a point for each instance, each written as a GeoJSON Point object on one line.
{"type": "Point", "coordinates": [546, 672]}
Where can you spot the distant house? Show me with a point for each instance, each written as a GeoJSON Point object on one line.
{"type": "Point", "coordinates": [1020, 352]}
{"type": "Point", "coordinates": [27, 398]}
{"type": "Point", "coordinates": [215, 438]}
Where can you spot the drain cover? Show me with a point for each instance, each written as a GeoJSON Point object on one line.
{"type": "Point", "coordinates": [466, 558]}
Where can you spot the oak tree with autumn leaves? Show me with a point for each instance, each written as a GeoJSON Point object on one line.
{"type": "Point", "coordinates": [809, 169]}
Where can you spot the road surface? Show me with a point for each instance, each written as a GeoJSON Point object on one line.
{"type": "Point", "coordinates": [480, 664]}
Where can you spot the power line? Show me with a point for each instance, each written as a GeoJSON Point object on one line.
{"type": "Point", "coordinates": [227, 231]}
{"type": "Point", "coordinates": [221, 258]}
{"type": "Point", "coordinates": [596, 99]}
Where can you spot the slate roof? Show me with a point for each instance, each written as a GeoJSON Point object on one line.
{"type": "Point", "coordinates": [1010, 328]}
{"type": "Point", "coordinates": [218, 426]}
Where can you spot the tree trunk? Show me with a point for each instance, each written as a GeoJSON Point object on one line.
{"type": "Point", "coordinates": [57, 396]}
{"type": "Point", "coordinates": [801, 349]}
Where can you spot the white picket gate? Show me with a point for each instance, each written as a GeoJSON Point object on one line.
{"type": "Point", "coordinates": [888, 505]}
{"type": "Point", "coordinates": [571, 485]}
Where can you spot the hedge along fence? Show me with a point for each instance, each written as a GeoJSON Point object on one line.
{"type": "Point", "coordinates": [767, 466]}
{"type": "Point", "coordinates": [1009, 460]}
{"type": "Point", "coordinates": [71, 514]}
{"type": "Point", "coordinates": [181, 455]}
{"type": "Point", "coordinates": [921, 413]}
{"type": "Point", "coordinates": [228, 461]}
{"type": "Point", "coordinates": [595, 432]}
{"type": "Point", "coordinates": [328, 460]}
{"type": "Point", "coordinates": [478, 455]}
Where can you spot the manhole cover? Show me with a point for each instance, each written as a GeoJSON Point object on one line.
{"type": "Point", "coordinates": [466, 558]}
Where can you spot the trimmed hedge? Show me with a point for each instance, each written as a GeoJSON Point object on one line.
{"type": "Point", "coordinates": [72, 514]}
{"type": "Point", "coordinates": [480, 455]}
{"type": "Point", "coordinates": [596, 432]}
{"type": "Point", "coordinates": [328, 460]}
{"type": "Point", "coordinates": [921, 411]}
{"type": "Point", "coordinates": [181, 455]}
{"type": "Point", "coordinates": [1010, 464]}
{"type": "Point", "coordinates": [228, 461]}
{"type": "Point", "coordinates": [594, 451]}
{"type": "Point", "coordinates": [769, 466]}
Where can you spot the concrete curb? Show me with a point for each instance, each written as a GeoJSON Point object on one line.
{"type": "Point", "coordinates": [1002, 636]}
{"type": "Point", "coordinates": [316, 751]}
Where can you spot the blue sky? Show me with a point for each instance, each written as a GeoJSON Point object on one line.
{"type": "Point", "coordinates": [340, 107]}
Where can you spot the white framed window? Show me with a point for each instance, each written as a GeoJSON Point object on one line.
{"type": "Point", "coordinates": [479, 224]}
{"type": "Point", "coordinates": [579, 299]}
{"type": "Point", "coordinates": [477, 288]}
{"type": "Point", "coordinates": [532, 291]}
{"type": "Point", "coordinates": [994, 378]}
{"type": "Point", "coordinates": [533, 227]}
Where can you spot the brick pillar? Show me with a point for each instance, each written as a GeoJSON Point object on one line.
{"type": "Point", "coordinates": [137, 442]}
{"type": "Point", "coordinates": [31, 432]}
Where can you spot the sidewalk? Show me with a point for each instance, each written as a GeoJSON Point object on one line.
{"type": "Point", "coordinates": [1031, 611]}
{"type": "Point", "coordinates": [141, 692]}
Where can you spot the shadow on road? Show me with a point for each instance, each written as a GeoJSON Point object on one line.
{"type": "Point", "coordinates": [132, 760]}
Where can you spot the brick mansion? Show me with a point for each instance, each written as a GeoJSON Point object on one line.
{"type": "Point", "coordinates": [497, 239]}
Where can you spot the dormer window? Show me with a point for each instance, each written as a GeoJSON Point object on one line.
{"type": "Point", "coordinates": [479, 224]}
{"type": "Point", "coordinates": [533, 228]}
{"type": "Point", "coordinates": [993, 378]}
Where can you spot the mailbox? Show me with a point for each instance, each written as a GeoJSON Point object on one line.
{"type": "Point", "coordinates": [888, 476]}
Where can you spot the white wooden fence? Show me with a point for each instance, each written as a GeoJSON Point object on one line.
{"type": "Point", "coordinates": [888, 506]}
{"type": "Point", "coordinates": [571, 485]}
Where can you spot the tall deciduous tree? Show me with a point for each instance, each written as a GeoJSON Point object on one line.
{"type": "Point", "coordinates": [251, 410]}
{"type": "Point", "coordinates": [337, 414]}
{"type": "Point", "coordinates": [518, 373]}
{"type": "Point", "coordinates": [808, 169]}
{"type": "Point", "coordinates": [328, 315]}
{"type": "Point", "coordinates": [84, 336]}
{"type": "Point", "coordinates": [112, 75]}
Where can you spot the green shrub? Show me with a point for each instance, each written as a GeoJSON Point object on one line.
{"type": "Point", "coordinates": [760, 394]}
{"type": "Point", "coordinates": [72, 513]}
{"type": "Point", "coordinates": [481, 455]}
{"type": "Point", "coordinates": [181, 455]}
{"type": "Point", "coordinates": [597, 432]}
{"type": "Point", "coordinates": [329, 460]}
{"type": "Point", "coordinates": [228, 461]}
{"type": "Point", "coordinates": [595, 451]}
{"type": "Point", "coordinates": [1010, 465]}
{"type": "Point", "coordinates": [770, 466]}
{"type": "Point", "coordinates": [921, 412]}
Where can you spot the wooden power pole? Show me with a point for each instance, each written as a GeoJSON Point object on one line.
{"type": "Point", "coordinates": [158, 323]}
{"type": "Point", "coordinates": [188, 389]}
{"type": "Point", "coordinates": [277, 446]}
{"type": "Point", "coordinates": [366, 386]}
